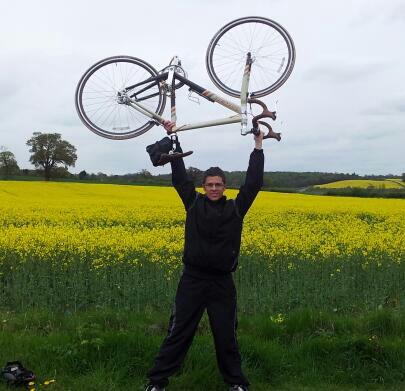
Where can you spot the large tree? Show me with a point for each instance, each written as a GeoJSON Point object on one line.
{"type": "Point", "coordinates": [49, 151]}
{"type": "Point", "coordinates": [8, 163]}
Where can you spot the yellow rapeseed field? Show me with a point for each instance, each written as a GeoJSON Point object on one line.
{"type": "Point", "coordinates": [56, 224]}
{"type": "Point", "coordinates": [364, 184]}
{"type": "Point", "coordinates": [111, 222]}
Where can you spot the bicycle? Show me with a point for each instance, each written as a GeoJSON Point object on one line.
{"type": "Point", "coordinates": [121, 97]}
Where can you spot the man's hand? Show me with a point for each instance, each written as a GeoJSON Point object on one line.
{"type": "Point", "coordinates": [168, 125]}
{"type": "Point", "coordinates": [259, 140]}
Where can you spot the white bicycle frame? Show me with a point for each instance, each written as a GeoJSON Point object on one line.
{"type": "Point", "coordinates": [241, 109]}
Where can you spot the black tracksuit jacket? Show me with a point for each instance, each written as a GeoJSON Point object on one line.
{"type": "Point", "coordinates": [213, 229]}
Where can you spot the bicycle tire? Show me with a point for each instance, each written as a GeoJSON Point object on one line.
{"type": "Point", "coordinates": [234, 54]}
{"type": "Point", "coordinates": [97, 93]}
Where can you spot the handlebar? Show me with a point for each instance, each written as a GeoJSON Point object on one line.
{"type": "Point", "coordinates": [270, 133]}
{"type": "Point", "coordinates": [266, 113]}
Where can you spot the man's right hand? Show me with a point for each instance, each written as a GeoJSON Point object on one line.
{"type": "Point", "coordinates": [168, 125]}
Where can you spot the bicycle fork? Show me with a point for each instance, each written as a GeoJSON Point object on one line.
{"type": "Point", "coordinates": [244, 95]}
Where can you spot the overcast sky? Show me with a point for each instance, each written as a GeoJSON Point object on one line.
{"type": "Point", "coordinates": [342, 109]}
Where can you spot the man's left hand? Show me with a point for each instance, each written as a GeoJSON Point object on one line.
{"type": "Point", "coordinates": [259, 140]}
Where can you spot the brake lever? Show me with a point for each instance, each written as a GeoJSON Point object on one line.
{"type": "Point", "coordinates": [270, 133]}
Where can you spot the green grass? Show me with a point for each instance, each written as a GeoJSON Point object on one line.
{"type": "Point", "coordinates": [303, 350]}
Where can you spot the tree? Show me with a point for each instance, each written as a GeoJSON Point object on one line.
{"type": "Point", "coordinates": [144, 173]}
{"type": "Point", "coordinates": [61, 172]}
{"type": "Point", "coordinates": [49, 151]}
{"type": "Point", "coordinates": [101, 175]}
{"type": "Point", "coordinates": [403, 177]}
{"type": "Point", "coordinates": [195, 175]}
{"type": "Point", "coordinates": [82, 175]}
{"type": "Point", "coordinates": [8, 163]}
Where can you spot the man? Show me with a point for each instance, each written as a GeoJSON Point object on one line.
{"type": "Point", "coordinates": [212, 241]}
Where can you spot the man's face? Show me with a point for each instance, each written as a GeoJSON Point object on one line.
{"type": "Point", "coordinates": [214, 187]}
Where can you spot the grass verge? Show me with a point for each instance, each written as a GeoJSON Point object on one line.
{"type": "Point", "coordinates": [302, 350]}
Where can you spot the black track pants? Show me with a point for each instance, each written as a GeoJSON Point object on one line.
{"type": "Point", "coordinates": [192, 298]}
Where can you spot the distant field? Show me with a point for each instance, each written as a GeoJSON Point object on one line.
{"type": "Point", "coordinates": [364, 184]}
{"type": "Point", "coordinates": [399, 181]}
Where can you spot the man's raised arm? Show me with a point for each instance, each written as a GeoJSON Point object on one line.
{"type": "Point", "coordinates": [183, 185]}
{"type": "Point", "coordinates": [254, 178]}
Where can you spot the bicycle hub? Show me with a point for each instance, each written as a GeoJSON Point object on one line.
{"type": "Point", "coordinates": [122, 97]}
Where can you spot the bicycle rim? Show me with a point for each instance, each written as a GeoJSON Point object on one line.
{"type": "Point", "coordinates": [270, 45]}
{"type": "Point", "coordinates": [97, 101]}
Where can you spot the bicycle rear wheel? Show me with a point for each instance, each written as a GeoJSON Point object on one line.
{"type": "Point", "coordinates": [272, 51]}
{"type": "Point", "coordinates": [97, 97]}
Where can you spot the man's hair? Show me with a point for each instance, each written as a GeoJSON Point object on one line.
{"type": "Point", "coordinates": [214, 171]}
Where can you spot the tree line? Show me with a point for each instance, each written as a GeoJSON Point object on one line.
{"type": "Point", "coordinates": [51, 157]}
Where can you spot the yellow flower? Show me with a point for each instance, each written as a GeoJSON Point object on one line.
{"type": "Point", "coordinates": [105, 225]}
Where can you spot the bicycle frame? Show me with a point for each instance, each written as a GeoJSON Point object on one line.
{"type": "Point", "coordinates": [172, 76]}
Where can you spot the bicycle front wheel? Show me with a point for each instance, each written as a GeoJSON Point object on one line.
{"type": "Point", "coordinates": [272, 51]}
{"type": "Point", "coordinates": [99, 102]}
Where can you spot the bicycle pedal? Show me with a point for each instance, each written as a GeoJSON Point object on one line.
{"type": "Point", "coordinates": [169, 157]}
